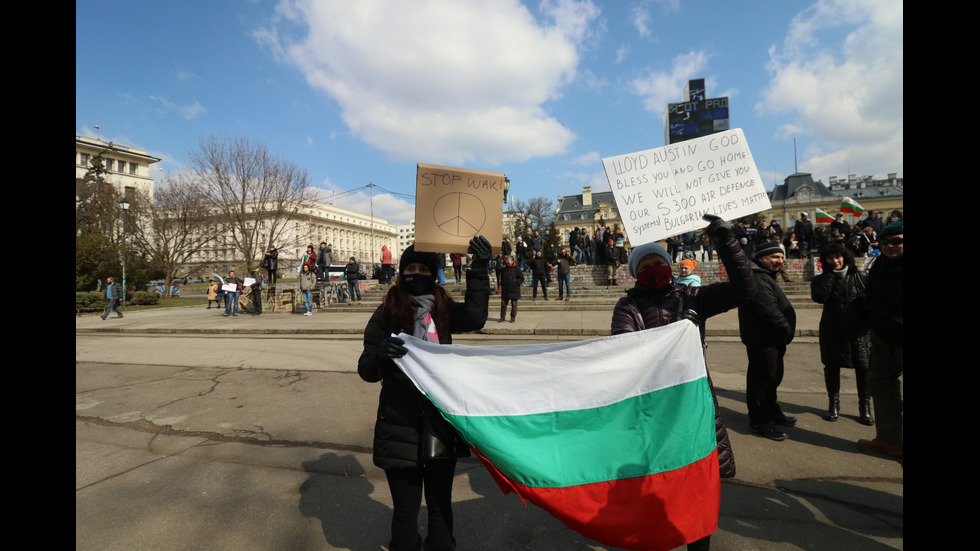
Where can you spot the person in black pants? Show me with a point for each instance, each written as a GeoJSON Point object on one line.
{"type": "Point", "coordinates": [539, 274]}
{"type": "Point", "coordinates": [419, 306]}
{"type": "Point", "coordinates": [271, 263]}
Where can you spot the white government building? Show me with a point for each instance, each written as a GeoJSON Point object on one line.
{"type": "Point", "coordinates": [350, 233]}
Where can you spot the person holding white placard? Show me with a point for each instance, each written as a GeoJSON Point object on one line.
{"type": "Point", "coordinates": [233, 288]}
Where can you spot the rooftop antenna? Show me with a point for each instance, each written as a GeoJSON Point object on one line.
{"type": "Point", "coordinates": [795, 167]}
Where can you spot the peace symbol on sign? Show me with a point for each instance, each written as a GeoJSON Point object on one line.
{"type": "Point", "coordinates": [459, 214]}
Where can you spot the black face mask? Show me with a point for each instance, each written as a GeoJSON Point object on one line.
{"type": "Point", "coordinates": [418, 284]}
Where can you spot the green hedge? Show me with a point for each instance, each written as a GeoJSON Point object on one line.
{"type": "Point", "coordinates": [94, 302]}
{"type": "Point", "coordinates": [144, 298]}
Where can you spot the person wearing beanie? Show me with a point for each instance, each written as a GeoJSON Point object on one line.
{"type": "Point", "coordinates": [353, 273]}
{"type": "Point", "coordinates": [767, 323]}
{"type": "Point", "coordinates": [417, 305]}
{"type": "Point", "coordinates": [686, 275]}
{"type": "Point", "coordinates": [510, 280]}
{"type": "Point", "coordinates": [884, 307]}
{"type": "Point", "coordinates": [657, 300]}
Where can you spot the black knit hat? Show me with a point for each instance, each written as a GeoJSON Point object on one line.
{"type": "Point", "coordinates": [766, 249]}
{"type": "Point", "coordinates": [430, 260]}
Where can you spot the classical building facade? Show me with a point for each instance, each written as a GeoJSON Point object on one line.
{"type": "Point", "coordinates": [127, 168]}
{"type": "Point", "coordinates": [799, 193]}
{"type": "Point", "coordinates": [348, 232]}
{"type": "Point", "coordinates": [586, 210]}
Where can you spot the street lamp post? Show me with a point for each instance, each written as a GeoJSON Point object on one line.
{"type": "Point", "coordinates": [124, 205]}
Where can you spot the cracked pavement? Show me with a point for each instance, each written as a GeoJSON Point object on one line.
{"type": "Point", "coordinates": [263, 442]}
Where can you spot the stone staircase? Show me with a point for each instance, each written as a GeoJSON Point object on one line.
{"type": "Point", "coordinates": [592, 291]}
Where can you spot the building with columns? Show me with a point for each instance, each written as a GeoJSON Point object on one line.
{"type": "Point", "coordinates": [127, 168]}
{"type": "Point", "coordinates": [799, 192]}
{"type": "Point", "coordinates": [348, 232]}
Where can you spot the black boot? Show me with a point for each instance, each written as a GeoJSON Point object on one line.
{"type": "Point", "coordinates": [833, 410]}
{"type": "Point", "coordinates": [864, 411]}
{"type": "Point", "coordinates": [864, 397]}
{"type": "Point", "coordinates": [831, 378]}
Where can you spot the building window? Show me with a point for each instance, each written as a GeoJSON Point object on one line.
{"type": "Point", "coordinates": [109, 165]}
{"type": "Point", "coordinates": [132, 168]}
{"type": "Point", "coordinates": [83, 159]}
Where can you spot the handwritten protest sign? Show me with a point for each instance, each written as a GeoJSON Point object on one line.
{"type": "Point", "coordinates": [665, 191]}
{"type": "Point", "coordinates": [453, 205]}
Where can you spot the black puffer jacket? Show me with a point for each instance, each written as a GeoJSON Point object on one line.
{"type": "Point", "coordinates": [768, 319]}
{"type": "Point", "coordinates": [885, 292]}
{"type": "Point", "coordinates": [510, 281]}
{"type": "Point", "coordinates": [402, 408]}
{"type": "Point", "coordinates": [643, 309]}
{"type": "Point", "coordinates": [843, 325]}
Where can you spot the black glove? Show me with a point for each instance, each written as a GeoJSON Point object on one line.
{"type": "Point", "coordinates": [392, 347]}
{"type": "Point", "coordinates": [719, 230]}
{"type": "Point", "coordinates": [480, 248]}
{"type": "Point", "coordinates": [689, 315]}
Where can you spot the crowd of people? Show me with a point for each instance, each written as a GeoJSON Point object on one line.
{"type": "Point", "coordinates": [861, 329]}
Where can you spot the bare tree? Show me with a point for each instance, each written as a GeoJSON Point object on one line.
{"type": "Point", "coordinates": [175, 227]}
{"type": "Point", "coordinates": [254, 192]}
{"type": "Point", "coordinates": [535, 214]}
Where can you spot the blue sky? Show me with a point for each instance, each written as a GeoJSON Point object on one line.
{"type": "Point", "coordinates": [360, 91]}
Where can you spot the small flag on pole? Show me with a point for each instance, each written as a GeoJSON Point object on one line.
{"type": "Point", "coordinates": [851, 206]}
{"type": "Point", "coordinates": [823, 217]}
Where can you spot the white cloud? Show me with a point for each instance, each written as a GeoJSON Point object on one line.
{"type": "Point", "coordinates": [590, 158]}
{"type": "Point", "coordinates": [187, 111]}
{"type": "Point", "coordinates": [660, 88]}
{"type": "Point", "coordinates": [439, 80]}
{"type": "Point", "coordinates": [186, 76]}
{"type": "Point", "coordinates": [621, 53]}
{"type": "Point", "coordinates": [840, 72]}
{"type": "Point", "coordinates": [641, 20]}
{"type": "Point", "coordinates": [388, 207]}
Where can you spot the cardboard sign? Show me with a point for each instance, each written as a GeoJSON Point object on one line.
{"type": "Point", "coordinates": [452, 205]}
{"type": "Point", "coordinates": [665, 191]}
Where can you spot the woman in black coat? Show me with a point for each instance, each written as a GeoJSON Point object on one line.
{"type": "Point", "coordinates": [510, 279]}
{"type": "Point", "coordinates": [844, 332]}
{"type": "Point", "coordinates": [418, 306]}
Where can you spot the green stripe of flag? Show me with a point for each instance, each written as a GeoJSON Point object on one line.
{"type": "Point", "coordinates": [568, 448]}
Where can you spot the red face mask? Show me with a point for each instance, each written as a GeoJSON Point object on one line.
{"type": "Point", "coordinates": [655, 278]}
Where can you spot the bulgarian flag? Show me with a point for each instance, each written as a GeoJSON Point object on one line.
{"type": "Point", "coordinates": [613, 436]}
{"type": "Point", "coordinates": [823, 217]}
{"type": "Point", "coordinates": [851, 206]}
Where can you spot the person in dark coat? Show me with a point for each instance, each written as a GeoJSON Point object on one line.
{"type": "Point", "coordinates": [804, 234]}
{"type": "Point", "coordinates": [417, 305]}
{"type": "Point", "coordinates": [656, 300]}
{"type": "Point", "coordinates": [324, 258]}
{"type": "Point", "coordinates": [114, 294]}
{"type": "Point", "coordinates": [510, 279]}
{"type": "Point", "coordinates": [539, 274]}
{"type": "Point", "coordinates": [353, 274]}
{"type": "Point", "coordinates": [521, 251]}
{"type": "Point", "coordinates": [767, 324]}
{"type": "Point", "coordinates": [886, 315]}
{"type": "Point", "coordinates": [271, 263]}
{"type": "Point", "coordinates": [844, 340]}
